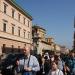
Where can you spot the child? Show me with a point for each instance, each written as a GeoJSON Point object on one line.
{"type": "Point", "coordinates": [54, 69]}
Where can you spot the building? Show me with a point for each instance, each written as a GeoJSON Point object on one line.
{"type": "Point", "coordinates": [15, 27]}
{"type": "Point", "coordinates": [50, 40]}
{"type": "Point", "coordinates": [54, 47]}
{"type": "Point", "coordinates": [57, 49]}
{"type": "Point", "coordinates": [64, 50]}
{"type": "Point", "coordinates": [40, 42]}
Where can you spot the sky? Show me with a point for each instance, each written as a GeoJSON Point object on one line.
{"type": "Point", "coordinates": [56, 16]}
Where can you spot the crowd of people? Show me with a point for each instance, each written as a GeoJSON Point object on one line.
{"type": "Point", "coordinates": [58, 64]}
{"type": "Point", "coordinates": [46, 64]}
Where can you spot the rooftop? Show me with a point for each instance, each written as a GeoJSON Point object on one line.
{"type": "Point", "coordinates": [36, 26]}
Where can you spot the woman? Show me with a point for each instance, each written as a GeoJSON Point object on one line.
{"type": "Point", "coordinates": [54, 69]}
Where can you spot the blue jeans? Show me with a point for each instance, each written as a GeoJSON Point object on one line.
{"type": "Point", "coordinates": [27, 73]}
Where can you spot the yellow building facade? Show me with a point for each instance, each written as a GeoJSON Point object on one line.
{"type": "Point", "coordinates": [15, 27]}
{"type": "Point", "coordinates": [40, 42]}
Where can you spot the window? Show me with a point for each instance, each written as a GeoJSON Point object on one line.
{"type": "Point", "coordinates": [19, 15]}
{"type": "Point", "coordinates": [18, 48]}
{"type": "Point", "coordinates": [28, 34]}
{"type": "Point", "coordinates": [5, 8]}
{"type": "Point", "coordinates": [24, 20]}
{"type": "Point", "coordinates": [13, 11]}
{"type": "Point", "coordinates": [12, 49]}
{"type": "Point", "coordinates": [3, 48]}
{"type": "Point", "coordinates": [28, 23]}
{"type": "Point", "coordinates": [24, 33]}
{"type": "Point", "coordinates": [4, 27]}
{"type": "Point", "coordinates": [25, 45]}
{"type": "Point", "coordinates": [13, 30]}
{"type": "Point", "coordinates": [43, 35]}
{"type": "Point", "coordinates": [19, 31]}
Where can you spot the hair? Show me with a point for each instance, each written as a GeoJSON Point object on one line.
{"type": "Point", "coordinates": [57, 57]}
{"type": "Point", "coordinates": [55, 61]}
{"type": "Point", "coordinates": [72, 51]}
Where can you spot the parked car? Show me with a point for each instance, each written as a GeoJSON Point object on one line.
{"type": "Point", "coordinates": [8, 64]}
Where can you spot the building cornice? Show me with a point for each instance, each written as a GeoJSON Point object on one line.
{"type": "Point", "coordinates": [38, 27]}
{"type": "Point", "coordinates": [14, 4]}
{"type": "Point", "coordinates": [14, 40]}
{"type": "Point", "coordinates": [46, 42]}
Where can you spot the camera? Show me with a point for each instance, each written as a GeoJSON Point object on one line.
{"type": "Point", "coordinates": [46, 57]}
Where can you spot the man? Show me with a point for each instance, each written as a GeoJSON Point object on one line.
{"type": "Point", "coordinates": [29, 64]}
{"type": "Point", "coordinates": [70, 63]}
{"type": "Point", "coordinates": [60, 62]}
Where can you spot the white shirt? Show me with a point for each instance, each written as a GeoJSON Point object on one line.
{"type": "Point", "coordinates": [33, 63]}
{"type": "Point", "coordinates": [57, 72]}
